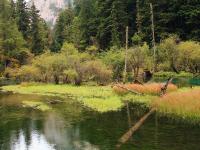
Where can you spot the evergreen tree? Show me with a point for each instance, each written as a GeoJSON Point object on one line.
{"type": "Point", "coordinates": [88, 22]}
{"type": "Point", "coordinates": [62, 29]}
{"type": "Point", "coordinates": [104, 23]}
{"type": "Point", "coordinates": [119, 21]}
{"type": "Point", "coordinates": [13, 9]}
{"type": "Point", "coordinates": [11, 40]}
{"type": "Point", "coordinates": [37, 45]}
{"type": "Point", "coordinates": [23, 17]}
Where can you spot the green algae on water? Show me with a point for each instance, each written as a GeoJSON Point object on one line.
{"type": "Point", "coordinates": [36, 105]}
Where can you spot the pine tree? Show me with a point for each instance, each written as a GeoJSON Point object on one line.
{"type": "Point", "coordinates": [88, 24]}
{"type": "Point", "coordinates": [104, 23]}
{"type": "Point", "coordinates": [11, 40]}
{"type": "Point", "coordinates": [13, 9]}
{"type": "Point", "coordinates": [23, 18]}
{"type": "Point", "coordinates": [138, 18]}
{"type": "Point", "coordinates": [119, 21]}
{"type": "Point", "coordinates": [37, 45]}
{"type": "Point", "coordinates": [62, 29]}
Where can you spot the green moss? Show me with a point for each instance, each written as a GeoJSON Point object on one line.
{"type": "Point", "coordinates": [103, 105]}
{"type": "Point", "coordinates": [36, 105]}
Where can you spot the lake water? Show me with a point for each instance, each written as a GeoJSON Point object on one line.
{"type": "Point", "coordinates": [70, 126]}
{"type": "Point", "coordinates": [181, 82]}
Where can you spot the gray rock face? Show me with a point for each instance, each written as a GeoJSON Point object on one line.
{"type": "Point", "coordinates": [49, 9]}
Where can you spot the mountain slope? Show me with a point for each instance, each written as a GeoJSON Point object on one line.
{"type": "Point", "coordinates": [49, 9]}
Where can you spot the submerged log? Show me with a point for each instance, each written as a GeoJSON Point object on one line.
{"type": "Point", "coordinates": [132, 130]}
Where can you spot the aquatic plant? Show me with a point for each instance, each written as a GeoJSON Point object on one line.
{"type": "Point", "coordinates": [98, 98]}
{"type": "Point", "coordinates": [36, 105]}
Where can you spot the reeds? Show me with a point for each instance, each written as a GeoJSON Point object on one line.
{"type": "Point", "coordinates": [185, 104]}
{"type": "Point", "coordinates": [149, 89]}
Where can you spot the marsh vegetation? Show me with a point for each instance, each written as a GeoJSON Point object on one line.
{"type": "Point", "coordinates": [79, 80]}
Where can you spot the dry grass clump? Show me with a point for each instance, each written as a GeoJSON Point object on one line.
{"type": "Point", "coordinates": [151, 89]}
{"type": "Point", "coordinates": [181, 103]}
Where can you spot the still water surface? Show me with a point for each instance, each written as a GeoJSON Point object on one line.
{"type": "Point", "coordinates": [70, 126]}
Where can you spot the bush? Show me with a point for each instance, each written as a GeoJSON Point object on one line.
{"type": "Point", "coordinates": [11, 72]}
{"type": "Point", "coordinates": [29, 73]}
{"type": "Point", "coordinates": [70, 76]}
{"type": "Point", "coordinates": [168, 54]}
{"type": "Point", "coordinates": [95, 70]}
{"type": "Point", "coordinates": [115, 59]}
{"type": "Point", "coordinates": [189, 59]}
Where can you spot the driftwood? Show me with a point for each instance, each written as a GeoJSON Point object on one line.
{"type": "Point", "coordinates": [130, 90]}
{"type": "Point", "coordinates": [138, 82]}
{"type": "Point", "coordinates": [132, 130]}
{"type": "Point", "coordinates": [164, 88]}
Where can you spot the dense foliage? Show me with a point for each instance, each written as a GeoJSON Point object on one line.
{"type": "Point", "coordinates": [87, 43]}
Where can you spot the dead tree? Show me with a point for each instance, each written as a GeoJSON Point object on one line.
{"type": "Point", "coordinates": [164, 88]}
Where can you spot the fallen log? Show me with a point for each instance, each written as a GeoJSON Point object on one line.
{"type": "Point", "coordinates": [132, 130]}
{"type": "Point", "coordinates": [129, 90]}
{"type": "Point", "coordinates": [138, 82]}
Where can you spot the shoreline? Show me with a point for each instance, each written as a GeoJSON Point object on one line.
{"type": "Point", "coordinates": [102, 98]}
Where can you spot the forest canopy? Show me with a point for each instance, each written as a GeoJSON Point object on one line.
{"type": "Point", "coordinates": [88, 40]}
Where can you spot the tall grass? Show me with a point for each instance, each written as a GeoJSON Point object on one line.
{"type": "Point", "coordinates": [150, 89]}
{"type": "Point", "coordinates": [184, 103]}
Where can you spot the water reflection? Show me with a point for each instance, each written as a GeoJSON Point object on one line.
{"type": "Point", "coordinates": [71, 127]}
{"type": "Point", "coordinates": [53, 135]}
{"type": "Point", "coordinates": [37, 142]}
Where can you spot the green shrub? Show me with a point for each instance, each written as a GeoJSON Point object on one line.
{"type": "Point", "coordinates": [114, 58]}
{"type": "Point", "coordinates": [95, 70]}
{"type": "Point", "coordinates": [70, 76]}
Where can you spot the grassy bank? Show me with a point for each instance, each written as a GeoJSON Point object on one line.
{"type": "Point", "coordinates": [184, 103]}
{"type": "Point", "coordinates": [99, 98]}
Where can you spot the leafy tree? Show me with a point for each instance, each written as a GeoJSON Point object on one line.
{"type": "Point", "coordinates": [137, 58]}
{"type": "Point", "coordinates": [168, 54]}
{"type": "Point", "coordinates": [189, 56]}
{"type": "Point", "coordinates": [115, 59]}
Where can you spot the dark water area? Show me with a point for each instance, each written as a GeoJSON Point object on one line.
{"type": "Point", "coordinates": [70, 126]}
{"type": "Point", "coordinates": [4, 81]}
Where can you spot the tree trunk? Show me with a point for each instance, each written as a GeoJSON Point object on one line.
{"type": "Point", "coordinates": [56, 79]}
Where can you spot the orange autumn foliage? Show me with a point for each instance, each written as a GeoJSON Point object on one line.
{"type": "Point", "coordinates": [184, 103]}
{"type": "Point", "coordinates": [151, 89]}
